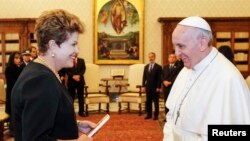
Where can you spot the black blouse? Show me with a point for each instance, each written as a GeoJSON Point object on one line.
{"type": "Point", "coordinates": [41, 107]}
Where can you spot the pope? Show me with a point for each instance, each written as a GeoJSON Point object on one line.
{"type": "Point", "coordinates": [208, 90]}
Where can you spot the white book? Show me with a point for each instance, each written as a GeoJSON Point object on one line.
{"type": "Point", "coordinates": [99, 125]}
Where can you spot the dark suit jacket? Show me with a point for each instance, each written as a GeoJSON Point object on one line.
{"type": "Point", "coordinates": [170, 74]}
{"type": "Point", "coordinates": [152, 80]}
{"type": "Point", "coordinates": [79, 70]}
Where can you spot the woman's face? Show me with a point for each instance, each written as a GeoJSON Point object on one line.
{"type": "Point", "coordinates": [17, 59]}
{"type": "Point", "coordinates": [66, 53]}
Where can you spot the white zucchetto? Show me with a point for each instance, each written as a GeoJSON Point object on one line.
{"type": "Point", "coordinates": [195, 21]}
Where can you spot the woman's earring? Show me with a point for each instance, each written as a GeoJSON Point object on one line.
{"type": "Point", "coordinates": [53, 54]}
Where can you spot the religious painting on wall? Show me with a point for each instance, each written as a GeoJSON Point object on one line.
{"type": "Point", "coordinates": [118, 31]}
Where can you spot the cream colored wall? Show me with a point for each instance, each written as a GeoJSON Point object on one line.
{"type": "Point", "coordinates": [153, 10]}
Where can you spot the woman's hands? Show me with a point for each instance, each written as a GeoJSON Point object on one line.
{"type": "Point", "coordinates": [85, 126]}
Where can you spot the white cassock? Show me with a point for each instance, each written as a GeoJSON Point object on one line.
{"type": "Point", "coordinates": [213, 92]}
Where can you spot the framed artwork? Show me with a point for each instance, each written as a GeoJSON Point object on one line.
{"type": "Point", "coordinates": [118, 31]}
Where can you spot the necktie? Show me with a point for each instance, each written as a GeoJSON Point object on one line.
{"type": "Point", "coordinates": [150, 67]}
{"type": "Point", "coordinates": [171, 66]}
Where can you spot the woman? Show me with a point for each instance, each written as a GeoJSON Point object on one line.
{"type": "Point", "coordinates": [13, 70]}
{"type": "Point", "coordinates": [42, 108]}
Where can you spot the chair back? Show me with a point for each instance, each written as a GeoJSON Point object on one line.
{"type": "Point", "coordinates": [92, 77]}
{"type": "Point", "coordinates": [2, 91]}
{"type": "Point", "coordinates": [135, 74]}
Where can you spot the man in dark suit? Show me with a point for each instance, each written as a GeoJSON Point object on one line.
{"type": "Point", "coordinates": [152, 84]}
{"type": "Point", "coordinates": [76, 83]}
{"type": "Point", "coordinates": [169, 74]}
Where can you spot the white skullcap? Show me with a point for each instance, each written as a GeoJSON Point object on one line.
{"type": "Point", "coordinates": [195, 21]}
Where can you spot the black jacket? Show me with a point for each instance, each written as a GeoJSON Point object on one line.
{"type": "Point", "coordinates": [12, 72]}
{"type": "Point", "coordinates": [42, 109]}
{"type": "Point", "coordinates": [78, 70]}
{"type": "Point", "coordinates": [152, 79]}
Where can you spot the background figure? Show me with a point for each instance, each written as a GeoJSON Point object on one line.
{"type": "Point", "coordinates": [209, 90]}
{"type": "Point", "coordinates": [63, 76]}
{"type": "Point", "coordinates": [33, 53]}
{"type": "Point", "coordinates": [25, 58]}
{"type": "Point", "coordinates": [179, 63]}
{"type": "Point", "coordinates": [41, 107]}
{"type": "Point", "coordinates": [12, 72]}
{"type": "Point", "coordinates": [169, 74]}
{"type": "Point", "coordinates": [76, 83]}
{"type": "Point", "coordinates": [152, 84]}
{"type": "Point", "coordinates": [227, 52]}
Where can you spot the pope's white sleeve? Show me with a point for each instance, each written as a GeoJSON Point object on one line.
{"type": "Point", "coordinates": [168, 129]}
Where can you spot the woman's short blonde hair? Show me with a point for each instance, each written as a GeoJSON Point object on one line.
{"type": "Point", "coordinates": [55, 25]}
